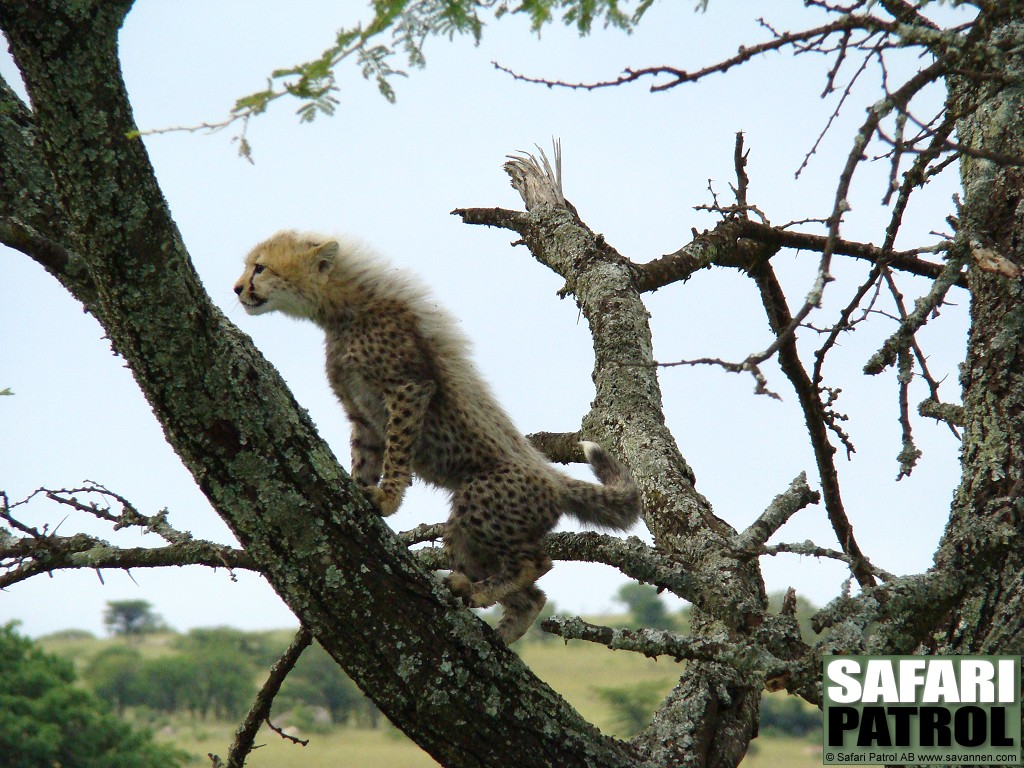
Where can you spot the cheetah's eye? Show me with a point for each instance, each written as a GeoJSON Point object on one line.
{"type": "Point", "coordinates": [257, 269]}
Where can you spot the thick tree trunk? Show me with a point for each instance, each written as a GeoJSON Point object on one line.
{"type": "Point", "coordinates": [982, 547]}
{"type": "Point", "coordinates": [434, 670]}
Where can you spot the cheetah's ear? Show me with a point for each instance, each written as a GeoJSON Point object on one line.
{"type": "Point", "coordinates": [325, 254]}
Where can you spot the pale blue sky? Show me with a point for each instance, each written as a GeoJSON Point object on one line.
{"type": "Point", "coordinates": [635, 164]}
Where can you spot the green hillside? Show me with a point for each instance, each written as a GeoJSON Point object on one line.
{"type": "Point", "coordinates": [590, 677]}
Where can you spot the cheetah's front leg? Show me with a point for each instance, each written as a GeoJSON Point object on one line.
{"type": "Point", "coordinates": [406, 405]}
{"type": "Point", "coordinates": [367, 454]}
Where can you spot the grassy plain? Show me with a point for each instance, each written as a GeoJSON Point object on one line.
{"type": "Point", "coordinates": [577, 671]}
{"type": "Point", "coordinates": [387, 748]}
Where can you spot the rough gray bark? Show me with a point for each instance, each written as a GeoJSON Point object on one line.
{"type": "Point", "coordinates": [982, 543]}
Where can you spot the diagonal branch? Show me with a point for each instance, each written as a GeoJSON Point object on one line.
{"type": "Point", "coordinates": [925, 306]}
{"type": "Point", "coordinates": [260, 711]}
{"type": "Point", "coordinates": [783, 507]}
{"type": "Point", "coordinates": [774, 301]}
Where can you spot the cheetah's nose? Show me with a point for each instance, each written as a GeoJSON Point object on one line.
{"type": "Point", "coordinates": [238, 289]}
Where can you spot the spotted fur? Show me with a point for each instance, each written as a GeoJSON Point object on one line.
{"type": "Point", "coordinates": [417, 405]}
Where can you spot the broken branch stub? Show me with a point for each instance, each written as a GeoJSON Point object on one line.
{"type": "Point", "coordinates": [537, 182]}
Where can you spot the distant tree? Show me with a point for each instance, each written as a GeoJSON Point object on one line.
{"type": "Point", "coordinates": [47, 721]}
{"type": "Point", "coordinates": [251, 646]}
{"type": "Point", "coordinates": [115, 675]}
{"type": "Point", "coordinates": [130, 618]}
{"type": "Point", "coordinates": [632, 705]}
{"type": "Point", "coordinates": [221, 663]}
{"type": "Point", "coordinates": [223, 685]}
{"type": "Point", "coordinates": [317, 681]}
{"type": "Point", "coordinates": [645, 606]}
{"type": "Point", "coordinates": [166, 684]}
{"type": "Point", "coordinates": [788, 715]}
{"type": "Point", "coordinates": [69, 635]}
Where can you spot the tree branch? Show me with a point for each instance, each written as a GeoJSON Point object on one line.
{"type": "Point", "coordinates": [260, 711]}
{"type": "Point", "coordinates": [635, 559]}
{"type": "Point", "coordinates": [627, 413]}
{"type": "Point", "coordinates": [743, 657]}
{"type": "Point", "coordinates": [24, 558]}
{"type": "Point", "coordinates": [810, 549]}
{"type": "Point", "coordinates": [676, 77]}
{"type": "Point", "coordinates": [783, 507]}
{"type": "Point", "coordinates": [780, 321]}
{"type": "Point", "coordinates": [925, 306]}
{"type": "Point", "coordinates": [39, 551]}
{"type": "Point", "coordinates": [559, 447]}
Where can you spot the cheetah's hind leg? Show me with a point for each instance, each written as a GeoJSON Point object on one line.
{"type": "Point", "coordinates": [508, 581]}
{"type": "Point", "coordinates": [460, 585]}
{"type": "Point", "coordinates": [519, 610]}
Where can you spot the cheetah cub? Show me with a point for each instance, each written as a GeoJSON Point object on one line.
{"type": "Point", "coordinates": [401, 370]}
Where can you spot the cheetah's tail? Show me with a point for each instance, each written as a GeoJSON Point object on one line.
{"type": "Point", "coordinates": [615, 503]}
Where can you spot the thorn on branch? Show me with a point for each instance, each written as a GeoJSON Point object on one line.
{"type": "Point", "coordinates": [950, 413]}
{"type": "Point", "coordinates": [42, 551]}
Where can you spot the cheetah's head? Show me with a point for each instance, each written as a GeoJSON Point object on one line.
{"type": "Point", "coordinates": [285, 273]}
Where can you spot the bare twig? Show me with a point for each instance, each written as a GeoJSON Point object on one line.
{"type": "Point", "coordinates": [260, 711]}
{"type": "Point", "coordinates": [40, 551]}
{"type": "Point", "coordinates": [751, 365]}
{"type": "Point", "coordinates": [283, 735]}
{"type": "Point", "coordinates": [675, 77]}
{"type": "Point", "coordinates": [783, 507]}
{"type": "Point", "coordinates": [723, 247]}
{"type": "Point", "coordinates": [810, 549]}
{"type": "Point", "coordinates": [815, 416]}
{"type": "Point", "coordinates": [923, 308]}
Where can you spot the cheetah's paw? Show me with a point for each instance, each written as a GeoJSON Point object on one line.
{"type": "Point", "coordinates": [386, 504]}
